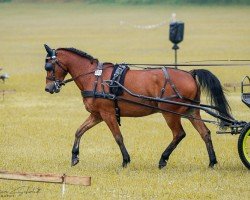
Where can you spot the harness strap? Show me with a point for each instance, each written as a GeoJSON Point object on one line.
{"type": "Point", "coordinates": [117, 76]}
{"type": "Point", "coordinates": [166, 81]}
{"type": "Point", "coordinates": [91, 94]}
{"type": "Point", "coordinates": [178, 95]}
{"type": "Point", "coordinates": [174, 88]}
{"type": "Point", "coordinates": [98, 74]}
{"type": "Point", "coordinates": [117, 112]}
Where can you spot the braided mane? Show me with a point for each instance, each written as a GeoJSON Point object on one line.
{"type": "Point", "coordinates": [78, 52]}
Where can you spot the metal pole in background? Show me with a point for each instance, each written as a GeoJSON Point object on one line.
{"type": "Point", "coordinates": [175, 48]}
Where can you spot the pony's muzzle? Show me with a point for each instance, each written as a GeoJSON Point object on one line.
{"type": "Point", "coordinates": [52, 87]}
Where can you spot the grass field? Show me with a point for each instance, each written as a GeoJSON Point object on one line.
{"type": "Point", "coordinates": [37, 129]}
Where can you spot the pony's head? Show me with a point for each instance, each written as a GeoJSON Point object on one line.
{"type": "Point", "coordinates": [56, 71]}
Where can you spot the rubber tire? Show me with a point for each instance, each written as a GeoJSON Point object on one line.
{"type": "Point", "coordinates": [243, 133]}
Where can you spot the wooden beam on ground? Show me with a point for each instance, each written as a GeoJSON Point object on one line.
{"type": "Point", "coordinates": [7, 91]}
{"type": "Point", "coordinates": [48, 178]}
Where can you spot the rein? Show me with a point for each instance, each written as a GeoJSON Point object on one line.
{"type": "Point", "coordinates": [184, 65]}
{"type": "Point", "coordinates": [137, 65]}
{"type": "Point", "coordinates": [74, 78]}
{"type": "Point", "coordinates": [64, 82]}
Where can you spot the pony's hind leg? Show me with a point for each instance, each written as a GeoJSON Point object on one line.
{"type": "Point", "coordinates": [111, 121]}
{"type": "Point", "coordinates": [174, 123]}
{"type": "Point", "coordinates": [205, 135]}
{"type": "Point", "coordinates": [91, 121]}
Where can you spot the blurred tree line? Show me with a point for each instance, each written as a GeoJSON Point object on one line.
{"type": "Point", "coordinates": [236, 2]}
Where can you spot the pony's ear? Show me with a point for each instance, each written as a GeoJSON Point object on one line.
{"type": "Point", "coordinates": [48, 49]}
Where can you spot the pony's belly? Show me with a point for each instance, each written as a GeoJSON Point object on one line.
{"type": "Point", "coordinates": [131, 110]}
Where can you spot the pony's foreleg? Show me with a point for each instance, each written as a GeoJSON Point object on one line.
{"type": "Point", "coordinates": [205, 135]}
{"type": "Point", "coordinates": [174, 123]}
{"type": "Point", "coordinates": [91, 121]}
{"type": "Point", "coordinates": [111, 121]}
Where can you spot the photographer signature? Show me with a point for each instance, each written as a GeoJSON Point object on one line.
{"type": "Point", "coordinates": [19, 191]}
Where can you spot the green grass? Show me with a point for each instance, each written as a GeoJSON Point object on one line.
{"type": "Point", "coordinates": [37, 129]}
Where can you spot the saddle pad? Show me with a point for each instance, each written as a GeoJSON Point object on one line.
{"type": "Point", "coordinates": [118, 75]}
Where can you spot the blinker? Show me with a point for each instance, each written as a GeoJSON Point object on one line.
{"type": "Point", "coordinates": [48, 67]}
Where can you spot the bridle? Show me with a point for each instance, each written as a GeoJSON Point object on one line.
{"type": "Point", "coordinates": [51, 66]}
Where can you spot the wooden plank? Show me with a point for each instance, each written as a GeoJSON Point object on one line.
{"type": "Point", "coordinates": [76, 180]}
{"type": "Point", "coordinates": [50, 178]}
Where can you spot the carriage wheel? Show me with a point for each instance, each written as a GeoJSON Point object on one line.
{"type": "Point", "coordinates": [244, 145]}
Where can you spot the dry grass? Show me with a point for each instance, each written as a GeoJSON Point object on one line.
{"type": "Point", "coordinates": [37, 129]}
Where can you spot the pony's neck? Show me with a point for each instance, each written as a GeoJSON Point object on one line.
{"type": "Point", "coordinates": [79, 67]}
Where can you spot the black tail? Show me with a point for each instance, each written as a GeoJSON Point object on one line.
{"type": "Point", "coordinates": [212, 86]}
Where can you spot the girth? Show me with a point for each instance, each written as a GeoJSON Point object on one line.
{"type": "Point", "coordinates": [103, 95]}
{"type": "Point", "coordinates": [88, 94]}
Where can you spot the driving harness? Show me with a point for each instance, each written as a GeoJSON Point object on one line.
{"type": "Point", "coordinates": [116, 83]}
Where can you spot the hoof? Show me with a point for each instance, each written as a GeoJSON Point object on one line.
{"type": "Point", "coordinates": [74, 161]}
{"type": "Point", "coordinates": [125, 163]}
{"type": "Point", "coordinates": [162, 164]}
{"type": "Point", "coordinates": [212, 164]}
